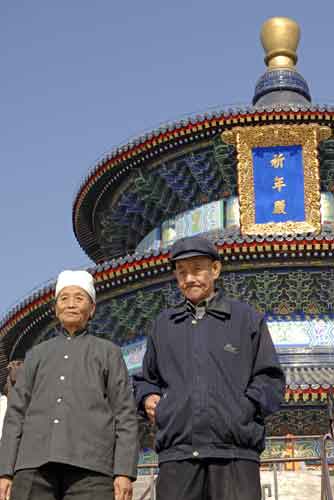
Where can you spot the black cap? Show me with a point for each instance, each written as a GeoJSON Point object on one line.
{"type": "Point", "coordinates": [193, 246]}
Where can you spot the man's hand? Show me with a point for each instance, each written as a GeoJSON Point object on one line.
{"type": "Point", "coordinates": [150, 407]}
{"type": "Point", "coordinates": [5, 488]}
{"type": "Point", "coordinates": [122, 488]}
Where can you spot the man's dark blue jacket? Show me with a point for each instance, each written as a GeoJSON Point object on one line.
{"type": "Point", "coordinates": [218, 378]}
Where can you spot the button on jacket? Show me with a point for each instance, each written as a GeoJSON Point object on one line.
{"type": "Point", "coordinates": [218, 376]}
{"type": "Point", "coordinates": [72, 404]}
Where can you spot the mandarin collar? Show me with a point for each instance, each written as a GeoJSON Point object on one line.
{"type": "Point", "coordinates": [62, 332]}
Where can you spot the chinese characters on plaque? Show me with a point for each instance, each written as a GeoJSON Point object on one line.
{"type": "Point", "coordinates": [278, 162]}
{"type": "Point", "coordinates": [278, 184]}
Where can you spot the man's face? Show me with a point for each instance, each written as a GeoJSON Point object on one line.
{"type": "Point", "coordinates": [196, 277]}
{"type": "Point", "coordinates": [74, 308]}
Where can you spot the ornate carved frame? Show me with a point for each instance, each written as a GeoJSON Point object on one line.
{"type": "Point", "coordinates": [245, 139]}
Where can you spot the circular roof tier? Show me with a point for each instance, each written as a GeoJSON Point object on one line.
{"type": "Point", "coordinates": [304, 260]}
{"type": "Point", "coordinates": [174, 168]}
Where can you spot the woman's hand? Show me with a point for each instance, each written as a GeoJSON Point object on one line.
{"type": "Point", "coordinates": [5, 488]}
{"type": "Point", "coordinates": [122, 488]}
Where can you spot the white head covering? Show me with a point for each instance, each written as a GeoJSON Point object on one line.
{"type": "Point", "coordinates": [83, 279]}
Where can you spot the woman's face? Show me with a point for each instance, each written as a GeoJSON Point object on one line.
{"type": "Point", "coordinates": [74, 308]}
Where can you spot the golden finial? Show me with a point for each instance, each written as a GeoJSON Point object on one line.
{"type": "Point", "coordinates": [280, 38]}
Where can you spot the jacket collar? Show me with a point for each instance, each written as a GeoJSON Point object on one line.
{"type": "Point", "coordinates": [61, 332]}
{"type": "Point", "coordinates": [218, 307]}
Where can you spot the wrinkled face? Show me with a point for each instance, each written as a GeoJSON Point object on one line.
{"type": "Point", "coordinates": [74, 308]}
{"type": "Point", "coordinates": [196, 277]}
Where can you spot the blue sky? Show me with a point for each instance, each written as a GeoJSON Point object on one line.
{"type": "Point", "coordinates": [79, 77]}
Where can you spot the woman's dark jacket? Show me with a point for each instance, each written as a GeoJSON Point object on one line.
{"type": "Point", "coordinates": [218, 378]}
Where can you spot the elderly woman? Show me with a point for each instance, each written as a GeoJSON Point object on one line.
{"type": "Point", "coordinates": [71, 427]}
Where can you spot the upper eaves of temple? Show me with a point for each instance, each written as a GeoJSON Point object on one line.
{"type": "Point", "coordinates": [185, 164]}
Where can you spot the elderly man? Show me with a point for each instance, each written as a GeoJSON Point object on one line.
{"type": "Point", "coordinates": [71, 427]}
{"type": "Point", "coordinates": [210, 377]}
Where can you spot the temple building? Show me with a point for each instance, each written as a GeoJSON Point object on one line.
{"type": "Point", "coordinates": [259, 181]}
